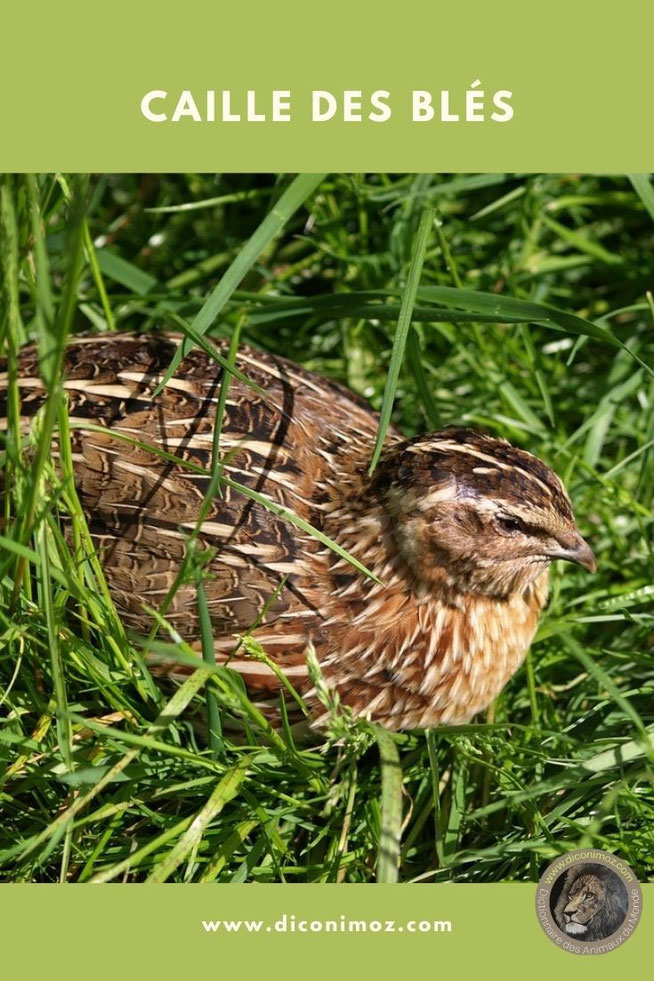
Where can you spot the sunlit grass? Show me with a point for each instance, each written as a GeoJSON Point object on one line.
{"type": "Point", "coordinates": [532, 318]}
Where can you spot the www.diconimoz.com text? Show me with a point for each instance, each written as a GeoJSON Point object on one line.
{"type": "Point", "coordinates": [289, 923]}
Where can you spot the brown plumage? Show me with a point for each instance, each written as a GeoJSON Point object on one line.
{"type": "Point", "coordinates": [459, 527]}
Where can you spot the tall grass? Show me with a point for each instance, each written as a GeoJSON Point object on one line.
{"type": "Point", "coordinates": [523, 308]}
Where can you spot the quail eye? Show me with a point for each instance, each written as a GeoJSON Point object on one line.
{"type": "Point", "coordinates": [508, 525]}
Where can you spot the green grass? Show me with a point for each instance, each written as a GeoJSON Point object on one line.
{"type": "Point", "coordinates": [522, 309]}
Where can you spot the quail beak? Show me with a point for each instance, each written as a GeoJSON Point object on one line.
{"type": "Point", "coordinates": [580, 552]}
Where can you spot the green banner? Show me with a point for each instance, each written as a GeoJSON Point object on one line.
{"type": "Point", "coordinates": [343, 87]}
{"type": "Point", "coordinates": [170, 931]}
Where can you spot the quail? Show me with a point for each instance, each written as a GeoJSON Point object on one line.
{"type": "Point", "coordinates": [458, 528]}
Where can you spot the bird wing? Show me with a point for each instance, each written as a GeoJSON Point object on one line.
{"type": "Point", "coordinates": [142, 464]}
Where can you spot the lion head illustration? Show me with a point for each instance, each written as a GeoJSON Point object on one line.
{"type": "Point", "coordinates": [593, 902]}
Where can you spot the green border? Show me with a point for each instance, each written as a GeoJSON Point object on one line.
{"type": "Point", "coordinates": [138, 931]}
{"type": "Point", "coordinates": [71, 81]}
{"type": "Point", "coordinates": [69, 100]}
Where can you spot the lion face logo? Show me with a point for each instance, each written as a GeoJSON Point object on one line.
{"type": "Point", "coordinates": [593, 902]}
{"type": "Point", "coordinates": [585, 900]}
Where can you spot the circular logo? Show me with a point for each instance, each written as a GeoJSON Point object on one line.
{"type": "Point", "coordinates": [588, 901]}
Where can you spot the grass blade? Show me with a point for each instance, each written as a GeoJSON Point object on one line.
{"type": "Point", "coordinates": [98, 279]}
{"type": "Point", "coordinates": [402, 331]}
{"type": "Point", "coordinates": [64, 731]}
{"type": "Point", "coordinates": [642, 185]}
{"type": "Point", "coordinates": [499, 307]}
{"type": "Point", "coordinates": [293, 197]}
{"type": "Point", "coordinates": [51, 365]}
{"type": "Point", "coordinates": [174, 707]}
{"type": "Point", "coordinates": [226, 790]}
{"type": "Point", "coordinates": [602, 678]}
{"type": "Point", "coordinates": [209, 349]}
{"type": "Point", "coordinates": [214, 725]}
{"type": "Point", "coordinates": [391, 806]}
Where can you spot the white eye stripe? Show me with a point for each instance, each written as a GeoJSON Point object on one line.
{"type": "Point", "coordinates": [513, 510]}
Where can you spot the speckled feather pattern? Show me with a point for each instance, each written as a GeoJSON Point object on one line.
{"type": "Point", "coordinates": [422, 648]}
